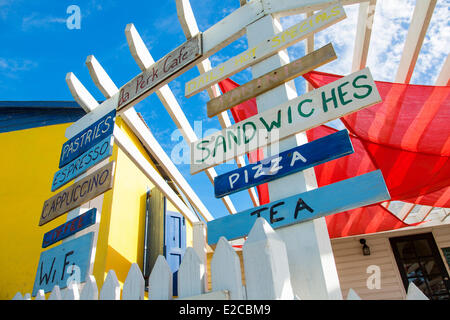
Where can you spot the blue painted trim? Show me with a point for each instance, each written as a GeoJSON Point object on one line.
{"type": "Point", "coordinates": [311, 154]}
{"type": "Point", "coordinates": [69, 228]}
{"type": "Point", "coordinates": [87, 138]}
{"type": "Point", "coordinates": [341, 196]}
{"type": "Point", "coordinates": [73, 169]}
{"type": "Point", "coordinates": [53, 263]}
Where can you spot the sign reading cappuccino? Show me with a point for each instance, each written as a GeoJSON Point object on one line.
{"type": "Point", "coordinates": [80, 192]}
{"type": "Point", "coordinates": [87, 138]}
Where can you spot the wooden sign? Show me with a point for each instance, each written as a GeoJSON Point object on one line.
{"type": "Point", "coordinates": [341, 196]}
{"type": "Point", "coordinates": [73, 169]}
{"type": "Point", "coordinates": [332, 101]}
{"type": "Point", "coordinates": [69, 228]}
{"type": "Point", "coordinates": [81, 191]}
{"type": "Point", "coordinates": [87, 138]}
{"type": "Point", "coordinates": [306, 156]}
{"type": "Point", "coordinates": [266, 48]}
{"type": "Point", "coordinates": [162, 71]}
{"type": "Point", "coordinates": [271, 80]}
{"type": "Point", "coordinates": [58, 264]}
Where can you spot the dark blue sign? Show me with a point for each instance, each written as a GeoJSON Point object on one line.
{"type": "Point", "coordinates": [58, 265]}
{"type": "Point", "coordinates": [87, 138]}
{"type": "Point", "coordinates": [341, 196]}
{"type": "Point", "coordinates": [306, 156]}
{"type": "Point", "coordinates": [69, 228]}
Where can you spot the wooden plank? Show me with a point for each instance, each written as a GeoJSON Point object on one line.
{"type": "Point", "coordinates": [53, 263]}
{"type": "Point", "coordinates": [366, 15]}
{"type": "Point", "coordinates": [111, 287]}
{"type": "Point", "coordinates": [80, 93]}
{"type": "Point", "coordinates": [160, 281]}
{"type": "Point", "coordinates": [297, 159]}
{"type": "Point", "coordinates": [339, 98]}
{"type": "Point", "coordinates": [87, 138]}
{"type": "Point", "coordinates": [134, 285]}
{"type": "Point", "coordinates": [161, 72]}
{"type": "Point", "coordinates": [80, 192]}
{"type": "Point", "coordinates": [190, 275]}
{"type": "Point", "coordinates": [271, 80]}
{"type": "Point", "coordinates": [266, 48]}
{"type": "Point", "coordinates": [81, 164]}
{"type": "Point", "coordinates": [90, 289]}
{"type": "Point", "coordinates": [341, 196]}
{"type": "Point", "coordinates": [69, 228]}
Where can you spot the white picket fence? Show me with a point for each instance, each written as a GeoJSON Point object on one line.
{"type": "Point", "coordinates": [265, 267]}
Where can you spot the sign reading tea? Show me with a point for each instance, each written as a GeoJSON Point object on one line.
{"type": "Point", "coordinates": [59, 264]}
{"type": "Point", "coordinates": [161, 71]}
{"type": "Point", "coordinates": [332, 101]}
{"type": "Point", "coordinates": [87, 138]}
{"type": "Point", "coordinates": [306, 156]}
{"type": "Point", "coordinates": [341, 196]}
{"type": "Point", "coordinates": [80, 192]}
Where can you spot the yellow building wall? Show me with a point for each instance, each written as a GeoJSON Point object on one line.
{"type": "Point", "coordinates": [29, 160]}
{"type": "Point", "coordinates": [122, 226]}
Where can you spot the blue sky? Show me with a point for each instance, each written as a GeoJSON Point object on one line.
{"type": "Point", "coordinates": [37, 50]}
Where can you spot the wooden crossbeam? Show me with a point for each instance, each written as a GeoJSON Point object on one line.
{"type": "Point", "coordinates": [364, 25]}
{"type": "Point", "coordinates": [80, 93]}
{"type": "Point", "coordinates": [443, 78]}
{"type": "Point", "coordinates": [414, 40]}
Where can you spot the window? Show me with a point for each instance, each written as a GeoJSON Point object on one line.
{"type": "Point", "coordinates": [419, 261]}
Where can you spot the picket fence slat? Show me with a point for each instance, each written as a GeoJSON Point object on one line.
{"type": "Point", "coordinates": [90, 289]}
{"type": "Point", "coordinates": [55, 294]}
{"type": "Point", "coordinates": [226, 270]}
{"type": "Point", "coordinates": [415, 293]}
{"type": "Point", "coordinates": [160, 281]}
{"type": "Point", "coordinates": [190, 275]}
{"type": "Point", "coordinates": [72, 292]}
{"type": "Point", "coordinates": [17, 296]}
{"type": "Point", "coordinates": [40, 295]}
{"type": "Point", "coordinates": [266, 266]}
{"type": "Point", "coordinates": [134, 286]}
{"type": "Point", "coordinates": [111, 287]}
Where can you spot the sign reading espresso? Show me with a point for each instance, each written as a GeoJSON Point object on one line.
{"type": "Point", "coordinates": [80, 192]}
{"type": "Point", "coordinates": [161, 71]}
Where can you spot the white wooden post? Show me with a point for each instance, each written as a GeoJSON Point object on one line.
{"type": "Point", "coordinates": [199, 245]}
{"type": "Point", "coordinates": [55, 294]}
{"type": "Point", "coordinates": [160, 281]}
{"type": "Point", "coordinates": [111, 287]}
{"type": "Point", "coordinates": [72, 292]}
{"type": "Point", "coordinates": [90, 290]}
{"type": "Point", "coordinates": [226, 270]}
{"type": "Point", "coordinates": [40, 295]}
{"type": "Point", "coordinates": [134, 286]}
{"type": "Point", "coordinates": [190, 275]}
{"type": "Point", "coordinates": [415, 293]}
{"type": "Point", "coordinates": [311, 260]}
{"type": "Point", "coordinates": [266, 264]}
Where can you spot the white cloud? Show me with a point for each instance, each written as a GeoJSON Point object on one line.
{"type": "Point", "coordinates": [36, 21]}
{"type": "Point", "coordinates": [10, 67]}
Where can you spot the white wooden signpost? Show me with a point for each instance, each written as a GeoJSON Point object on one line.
{"type": "Point", "coordinates": [341, 97]}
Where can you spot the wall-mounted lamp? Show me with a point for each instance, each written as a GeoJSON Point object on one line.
{"type": "Point", "coordinates": [365, 247]}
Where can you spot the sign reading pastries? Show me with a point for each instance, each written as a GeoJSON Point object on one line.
{"type": "Point", "coordinates": [80, 192]}
{"type": "Point", "coordinates": [329, 102]}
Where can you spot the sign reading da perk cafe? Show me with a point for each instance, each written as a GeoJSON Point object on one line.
{"type": "Point", "coordinates": [161, 71]}
{"type": "Point", "coordinates": [332, 101]}
{"type": "Point", "coordinates": [80, 192]}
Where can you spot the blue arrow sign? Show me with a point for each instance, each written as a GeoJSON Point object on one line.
{"type": "Point", "coordinates": [87, 138]}
{"type": "Point", "coordinates": [341, 196]}
{"type": "Point", "coordinates": [58, 264]}
{"type": "Point", "coordinates": [81, 164]}
{"type": "Point", "coordinates": [69, 228]}
{"type": "Point", "coordinates": [306, 156]}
